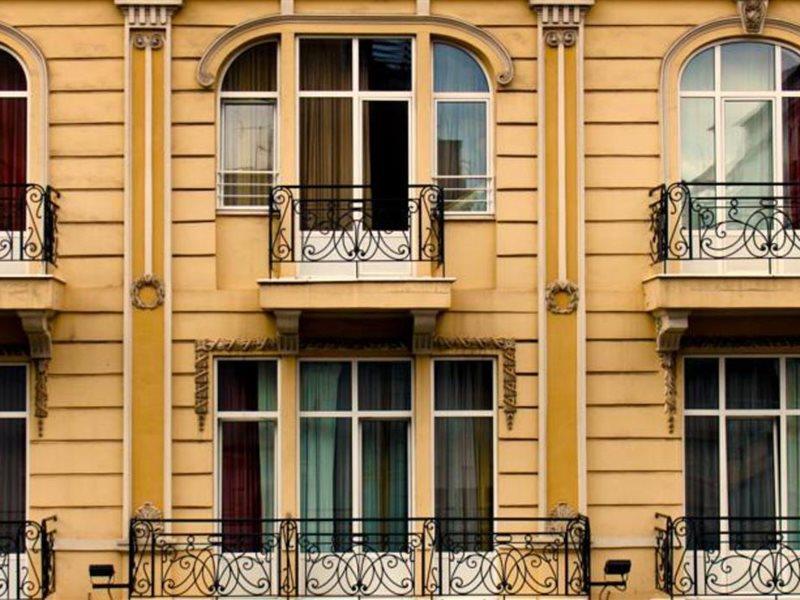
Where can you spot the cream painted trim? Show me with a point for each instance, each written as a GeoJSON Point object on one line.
{"type": "Point", "coordinates": [423, 7]}
{"type": "Point", "coordinates": [562, 167]}
{"type": "Point", "coordinates": [581, 316]}
{"type": "Point", "coordinates": [217, 52]}
{"type": "Point", "coordinates": [127, 309]}
{"type": "Point", "coordinates": [287, 7]}
{"type": "Point", "coordinates": [148, 159]}
{"type": "Point", "coordinates": [18, 41]}
{"type": "Point", "coordinates": [678, 46]}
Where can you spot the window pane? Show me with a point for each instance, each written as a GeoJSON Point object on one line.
{"type": "Point", "coordinates": [12, 388]}
{"type": "Point", "coordinates": [385, 65]}
{"type": "Point", "coordinates": [12, 76]}
{"type": "Point", "coordinates": [793, 384]}
{"type": "Point", "coordinates": [752, 383]}
{"type": "Point", "coordinates": [790, 63]}
{"type": "Point", "coordinates": [325, 386]}
{"type": "Point", "coordinates": [701, 382]}
{"type": "Point", "coordinates": [247, 385]}
{"type": "Point", "coordinates": [13, 162]}
{"type": "Point", "coordinates": [699, 73]}
{"type": "Point", "coordinates": [326, 64]}
{"type": "Point", "coordinates": [463, 468]}
{"type": "Point", "coordinates": [702, 481]}
{"type": "Point", "coordinates": [791, 158]}
{"type": "Point", "coordinates": [748, 66]}
{"type": "Point", "coordinates": [254, 70]}
{"type": "Point", "coordinates": [12, 469]}
{"type": "Point", "coordinates": [465, 194]}
{"type": "Point", "coordinates": [384, 385]}
{"type": "Point", "coordinates": [461, 138]}
{"type": "Point", "coordinates": [248, 482]}
{"type": "Point", "coordinates": [326, 482]}
{"type": "Point", "coordinates": [463, 385]}
{"type": "Point", "coordinates": [751, 482]}
{"type": "Point", "coordinates": [384, 484]}
{"type": "Point", "coordinates": [456, 71]}
{"type": "Point", "coordinates": [698, 156]}
{"type": "Point", "coordinates": [385, 165]}
{"type": "Point", "coordinates": [793, 477]}
{"type": "Point", "coordinates": [248, 151]}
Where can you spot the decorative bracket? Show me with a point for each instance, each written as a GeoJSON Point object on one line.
{"type": "Point", "coordinates": [36, 325]}
{"type": "Point", "coordinates": [753, 14]}
{"type": "Point", "coordinates": [424, 327]}
{"type": "Point", "coordinates": [148, 13]}
{"type": "Point", "coordinates": [287, 322]}
{"type": "Point", "coordinates": [670, 327]}
{"type": "Point", "coordinates": [560, 20]}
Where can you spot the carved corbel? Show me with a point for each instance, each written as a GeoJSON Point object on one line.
{"type": "Point", "coordinates": [670, 327]}
{"type": "Point", "coordinates": [287, 323]}
{"type": "Point", "coordinates": [753, 14]}
{"type": "Point", "coordinates": [424, 327]}
{"type": "Point", "coordinates": [36, 325]}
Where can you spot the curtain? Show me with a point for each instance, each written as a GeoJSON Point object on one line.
{"type": "Point", "coordinates": [254, 70]}
{"type": "Point", "coordinates": [384, 385]}
{"type": "Point", "coordinates": [752, 383]}
{"type": "Point", "coordinates": [699, 73]}
{"type": "Point", "coordinates": [791, 158]}
{"type": "Point", "coordinates": [463, 385]}
{"type": "Point", "coordinates": [326, 64]}
{"type": "Point", "coordinates": [793, 478]}
{"type": "Point", "coordinates": [748, 66]}
{"type": "Point", "coordinates": [701, 382]}
{"type": "Point", "coordinates": [13, 449]}
{"type": "Point", "coordinates": [461, 152]}
{"type": "Point", "coordinates": [456, 71]}
{"type": "Point", "coordinates": [247, 385]}
{"type": "Point", "coordinates": [13, 145]}
{"type": "Point", "coordinates": [248, 151]}
{"type": "Point", "coordinates": [751, 482]}
{"type": "Point", "coordinates": [384, 465]}
{"type": "Point", "coordinates": [702, 482]}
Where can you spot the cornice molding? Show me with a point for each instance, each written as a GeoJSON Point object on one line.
{"type": "Point", "coordinates": [148, 13]}
{"type": "Point", "coordinates": [220, 48]}
{"type": "Point", "coordinates": [561, 13]}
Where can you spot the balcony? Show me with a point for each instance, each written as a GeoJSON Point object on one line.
{"type": "Point", "coordinates": [28, 223]}
{"type": "Point", "coordinates": [724, 247]}
{"type": "Point", "coordinates": [294, 558]}
{"type": "Point", "coordinates": [27, 559]}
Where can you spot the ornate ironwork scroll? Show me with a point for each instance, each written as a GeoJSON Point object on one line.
{"type": "Point", "coordinates": [27, 559]}
{"type": "Point", "coordinates": [28, 223]}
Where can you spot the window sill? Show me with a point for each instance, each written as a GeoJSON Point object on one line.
{"type": "Point", "coordinates": [255, 211]}
{"type": "Point", "coordinates": [469, 216]}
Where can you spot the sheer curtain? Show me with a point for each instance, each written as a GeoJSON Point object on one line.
{"type": "Point", "coordinates": [13, 448]}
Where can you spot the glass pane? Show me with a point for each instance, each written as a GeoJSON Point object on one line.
{"type": "Point", "coordinates": [456, 71]}
{"type": "Point", "coordinates": [793, 383]}
{"type": "Point", "coordinates": [326, 64]}
{"type": "Point", "coordinates": [326, 482]}
{"type": "Point", "coordinates": [384, 464]}
{"type": "Point", "coordinates": [326, 159]}
{"type": "Point", "coordinates": [247, 385]}
{"type": "Point", "coordinates": [13, 380]}
{"type": "Point", "coordinates": [385, 65]}
{"type": "Point", "coordinates": [248, 152]}
{"type": "Point", "coordinates": [791, 159]}
{"type": "Point", "coordinates": [465, 194]}
{"type": "Point", "coordinates": [752, 383]}
{"type": "Point", "coordinates": [463, 474]}
{"type": "Point", "coordinates": [699, 73]}
{"type": "Point", "coordinates": [702, 482]}
{"type": "Point", "coordinates": [385, 165]}
{"type": "Point", "coordinates": [254, 70]}
{"type": "Point", "coordinates": [13, 157]}
{"type": "Point", "coordinates": [748, 66]}
{"type": "Point", "coordinates": [701, 382]}
{"type": "Point", "coordinates": [12, 469]}
{"type": "Point", "coordinates": [793, 478]}
{"type": "Point", "coordinates": [384, 385]}
{"type": "Point", "coordinates": [463, 385]}
{"type": "Point", "coordinates": [12, 76]}
{"type": "Point", "coordinates": [325, 386]}
{"type": "Point", "coordinates": [751, 482]}
{"type": "Point", "coordinates": [461, 138]}
{"type": "Point", "coordinates": [248, 483]}
{"type": "Point", "coordinates": [698, 155]}
{"type": "Point", "coordinates": [790, 63]}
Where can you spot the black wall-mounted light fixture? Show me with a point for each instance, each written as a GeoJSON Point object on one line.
{"type": "Point", "coordinates": [98, 573]}
{"type": "Point", "coordinates": [616, 571]}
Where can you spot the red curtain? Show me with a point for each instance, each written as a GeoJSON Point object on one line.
{"type": "Point", "coordinates": [241, 470]}
{"type": "Point", "coordinates": [791, 157]}
{"type": "Point", "coordinates": [13, 145]}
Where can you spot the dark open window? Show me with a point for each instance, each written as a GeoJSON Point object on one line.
{"type": "Point", "coordinates": [13, 142]}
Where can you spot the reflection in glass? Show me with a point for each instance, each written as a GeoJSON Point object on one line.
{"type": "Point", "coordinates": [461, 151]}
{"type": "Point", "coordinates": [748, 66]}
{"type": "Point", "coordinates": [790, 66]}
{"type": "Point", "coordinates": [701, 377]}
{"type": "Point", "coordinates": [385, 64]}
{"type": "Point", "coordinates": [248, 151]}
{"type": "Point", "coordinates": [699, 73]}
{"type": "Point", "coordinates": [702, 481]}
{"type": "Point", "coordinates": [456, 71]}
{"type": "Point", "coordinates": [752, 383]}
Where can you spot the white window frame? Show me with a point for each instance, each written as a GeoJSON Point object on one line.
{"type": "Point", "coordinates": [356, 416]}
{"type": "Point", "coordinates": [467, 97]}
{"type": "Point", "coordinates": [221, 416]}
{"type": "Point", "coordinates": [491, 413]}
{"type": "Point", "coordinates": [722, 413]}
{"type": "Point", "coordinates": [22, 414]}
{"type": "Point", "coordinates": [273, 98]}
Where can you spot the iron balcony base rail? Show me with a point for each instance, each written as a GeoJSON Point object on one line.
{"type": "Point", "coordinates": [27, 559]}
{"type": "Point", "coordinates": [28, 223]}
{"type": "Point", "coordinates": [294, 558]}
{"type": "Point", "coordinates": [728, 556]}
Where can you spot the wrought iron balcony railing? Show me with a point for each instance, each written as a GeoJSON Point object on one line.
{"type": "Point", "coordinates": [707, 221]}
{"type": "Point", "coordinates": [355, 224]}
{"type": "Point", "coordinates": [727, 556]}
{"type": "Point", "coordinates": [28, 222]}
{"type": "Point", "coordinates": [27, 559]}
{"type": "Point", "coordinates": [294, 558]}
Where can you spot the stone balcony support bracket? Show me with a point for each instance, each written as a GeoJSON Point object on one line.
{"type": "Point", "coordinates": [36, 325]}
{"type": "Point", "coordinates": [670, 327]}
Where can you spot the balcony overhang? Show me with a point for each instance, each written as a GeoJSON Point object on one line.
{"type": "Point", "coordinates": [420, 298]}
{"type": "Point", "coordinates": [31, 292]}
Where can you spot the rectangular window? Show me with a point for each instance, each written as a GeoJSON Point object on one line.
{"type": "Point", "coordinates": [247, 414]}
{"type": "Point", "coordinates": [740, 421]}
{"type": "Point", "coordinates": [13, 442]}
{"type": "Point", "coordinates": [354, 453]}
{"type": "Point", "coordinates": [464, 450]}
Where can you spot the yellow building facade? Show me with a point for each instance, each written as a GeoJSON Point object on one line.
{"type": "Point", "coordinates": [399, 298]}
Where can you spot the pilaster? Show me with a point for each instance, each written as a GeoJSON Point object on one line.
{"type": "Point", "coordinates": [562, 321]}
{"type": "Point", "coordinates": [148, 294]}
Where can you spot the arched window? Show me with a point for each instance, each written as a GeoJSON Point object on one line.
{"type": "Point", "coordinates": [13, 142]}
{"type": "Point", "coordinates": [461, 98]}
{"type": "Point", "coordinates": [248, 113]}
{"type": "Point", "coordinates": [740, 123]}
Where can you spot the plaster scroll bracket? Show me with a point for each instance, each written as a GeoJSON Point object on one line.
{"type": "Point", "coordinates": [287, 323]}
{"type": "Point", "coordinates": [424, 328]}
{"type": "Point", "coordinates": [670, 327]}
{"type": "Point", "coordinates": [36, 325]}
